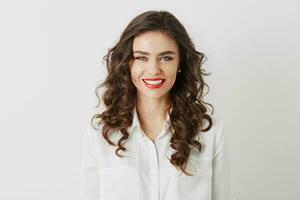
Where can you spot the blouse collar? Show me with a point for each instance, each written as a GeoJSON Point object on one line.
{"type": "Point", "coordinates": [136, 124]}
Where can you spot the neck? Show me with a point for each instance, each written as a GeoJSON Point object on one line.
{"type": "Point", "coordinates": [152, 109]}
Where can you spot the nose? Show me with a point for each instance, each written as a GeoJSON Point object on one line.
{"type": "Point", "coordinates": [153, 67]}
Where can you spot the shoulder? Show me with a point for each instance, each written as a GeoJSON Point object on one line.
{"type": "Point", "coordinates": [216, 128]}
{"type": "Point", "coordinates": [90, 134]}
{"type": "Point", "coordinates": [213, 139]}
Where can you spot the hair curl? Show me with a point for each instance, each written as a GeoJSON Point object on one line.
{"type": "Point", "coordinates": [119, 96]}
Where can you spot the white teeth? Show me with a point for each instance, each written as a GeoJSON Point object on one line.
{"type": "Point", "coordinates": [154, 82]}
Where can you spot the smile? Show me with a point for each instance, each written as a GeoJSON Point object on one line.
{"type": "Point", "coordinates": [154, 84]}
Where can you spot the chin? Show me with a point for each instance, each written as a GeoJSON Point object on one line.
{"type": "Point", "coordinates": [155, 94]}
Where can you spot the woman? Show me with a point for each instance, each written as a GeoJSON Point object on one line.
{"type": "Point", "coordinates": [153, 137]}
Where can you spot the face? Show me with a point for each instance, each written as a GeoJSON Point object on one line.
{"type": "Point", "coordinates": [155, 56]}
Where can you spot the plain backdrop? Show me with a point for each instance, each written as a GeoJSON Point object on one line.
{"type": "Point", "coordinates": [51, 61]}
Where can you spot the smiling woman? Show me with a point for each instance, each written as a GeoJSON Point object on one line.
{"type": "Point", "coordinates": [152, 109]}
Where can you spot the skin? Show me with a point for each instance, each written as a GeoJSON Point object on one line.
{"type": "Point", "coordinates": [152, 103]}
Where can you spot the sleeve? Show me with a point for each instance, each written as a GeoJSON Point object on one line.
{"type": "Point", "coordinates": [221, 176]}
{"type": "Point", "coordinates": [89, 177]}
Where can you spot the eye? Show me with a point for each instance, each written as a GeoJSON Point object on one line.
{"type": "Point", "coordinates": [140, 58]}
{"type": "Point", "coordinates": [167, 58]}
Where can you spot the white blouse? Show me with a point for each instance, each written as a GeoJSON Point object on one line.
{"type": "Point", "coordinates": [146, 172]}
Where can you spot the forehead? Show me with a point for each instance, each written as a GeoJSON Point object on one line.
{"type": "Point", "coordinates": [154, 42]}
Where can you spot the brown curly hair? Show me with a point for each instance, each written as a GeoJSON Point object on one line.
{"type": "Point", "coordinates": [119, 95]}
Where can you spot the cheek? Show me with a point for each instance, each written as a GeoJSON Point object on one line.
{"type": "Point", "coordinates": [172, 75]}
{"type": "Point", "coordinates": [171, 79]}
{"type": "Point", "coordinates": [172, 82]}
{"type": "Point", "coordinates": [135, 75]}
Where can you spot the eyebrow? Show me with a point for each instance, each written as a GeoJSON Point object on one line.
{"type": "Point", "coordinates": [161, 54]}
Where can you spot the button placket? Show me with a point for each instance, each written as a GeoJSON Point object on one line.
{"type": "Point", "coordinates": [154, 169]}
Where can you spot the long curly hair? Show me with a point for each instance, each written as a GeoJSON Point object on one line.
{"type": "Point", "coordinates": [119, 94]}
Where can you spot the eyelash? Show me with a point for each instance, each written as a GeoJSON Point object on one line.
{"type": "Point", "coordinates": [138, 57]}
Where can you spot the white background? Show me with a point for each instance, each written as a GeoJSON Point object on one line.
{"type": "Point", "coordinates": [51, 54]}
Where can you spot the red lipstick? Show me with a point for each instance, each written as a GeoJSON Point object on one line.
{"type": "Point", "coordinates": [153, 85]}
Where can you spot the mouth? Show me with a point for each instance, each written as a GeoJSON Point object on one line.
{"type": "Point", "coordinates": [154, 83]}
